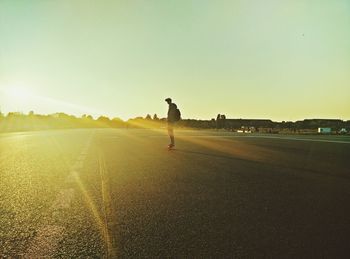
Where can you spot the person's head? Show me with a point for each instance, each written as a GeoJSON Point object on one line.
{"type": "Point", "coordinates": [168, 100]}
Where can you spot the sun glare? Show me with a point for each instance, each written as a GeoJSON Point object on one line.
{"type": "Point", "coordinates": [18, 94]}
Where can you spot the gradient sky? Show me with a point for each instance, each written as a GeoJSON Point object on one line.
{"type": "Point", "coordinates": [282, 60]}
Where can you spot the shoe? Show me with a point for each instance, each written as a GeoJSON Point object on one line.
{"type": "Point", "coordinates": [171, 146]}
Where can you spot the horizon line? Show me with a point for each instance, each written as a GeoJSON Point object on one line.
{"type": "Point", "coordinates": [95, 117]}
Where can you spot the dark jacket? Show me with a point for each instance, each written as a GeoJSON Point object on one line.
{"type": "Point", "coordinates": [172, 112]}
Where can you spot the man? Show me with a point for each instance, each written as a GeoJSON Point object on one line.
{"type": "Point", "coordinates": [171, 120]}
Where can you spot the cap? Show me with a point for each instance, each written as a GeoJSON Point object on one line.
{"type": "Point", "coordinates": [168, 99]}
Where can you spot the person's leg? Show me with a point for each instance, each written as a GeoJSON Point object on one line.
{"type": "Point", "coordinates": [172, 139]}
{"type": "Point", "coordinates": [171, 133]}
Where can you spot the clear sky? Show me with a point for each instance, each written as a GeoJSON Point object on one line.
{"type": "Point", "coordinates": [282, 60]}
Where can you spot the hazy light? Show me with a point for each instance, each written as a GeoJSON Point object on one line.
{"type": "Point", "coordinates": [21, 99]}
{"type": "Point", "coordinates": [18, 94]}
{"type": "Point", "coordinates": [282, 60]}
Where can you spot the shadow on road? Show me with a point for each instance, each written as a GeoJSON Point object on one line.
{"type": "Point", "coordinates": [211, 155]}
{"type": "Point", "coordinates": [270, 163]}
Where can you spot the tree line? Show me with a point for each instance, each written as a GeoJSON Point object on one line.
{"type": "Point", "coordinates": [15, 121]}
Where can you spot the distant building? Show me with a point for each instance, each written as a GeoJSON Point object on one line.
{"type": "Point", "coordinates": [248, 123]}
{"type": "Point", "coordinates": [324, 130]}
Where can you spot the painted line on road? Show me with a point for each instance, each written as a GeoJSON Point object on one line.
{"type": "Point", "coordinates": [64, 199]}
{"type": "Point", "coordinates": [82, 157]}
{"type": "Point", "coordinates": [78, 165]}
{"type": "Point", "coordinates": [107, 209]}
{"type": "Point", "coordinates": [48, 237]}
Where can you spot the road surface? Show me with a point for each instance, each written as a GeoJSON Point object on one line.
{"type": "Point", "coordinates": [109, 193]}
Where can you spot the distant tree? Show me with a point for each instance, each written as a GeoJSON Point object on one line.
{"type": "Point", "coordinates": [117, 119]}
{"type": "Point", "coordinates": [31, 113]}
{"type": "Point", "coordinates": [155, 117]}
{"type": "Point", "coordinates": [14, 114]}
{"type": "Point", "coordinates": [223, 121]}
{"type": "Point", "coordinates": [148, 117]}
{"type": "Point", "coordinates": [117, 123]}
{"type": "Point", "coordinates": [103, 119]}
{"type": "Point", "coordinates": [213, 123]}
{"type": "Point", "coordinates": [218, 121]}
{"type": "Point", "coordinates": [89, 117]}
{"type": "Point", "coordinates": [61, 115]}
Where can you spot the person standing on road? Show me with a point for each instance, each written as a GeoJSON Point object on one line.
{"type": "Point", "coordinates": [173, 116]}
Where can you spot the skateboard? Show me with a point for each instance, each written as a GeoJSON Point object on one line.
{"type": "Point", "coordinates": [171, 147]}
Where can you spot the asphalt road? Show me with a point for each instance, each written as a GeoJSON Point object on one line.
{"type": "Point", "coordinates": [121, 194]}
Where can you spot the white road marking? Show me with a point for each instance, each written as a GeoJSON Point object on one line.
{"type": "Point", "coordinates": [64, 199]}
{"type": "Point", "coordinates": [48, 237]}
{"type": "Point", "coordinates": [78, 165]}
{"type": "Point", "coordinates": [71, 178]}
{"type": "Point", "coordinates": [107, 209]}
{"type": "Point", "coordinates": [82, 157]}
